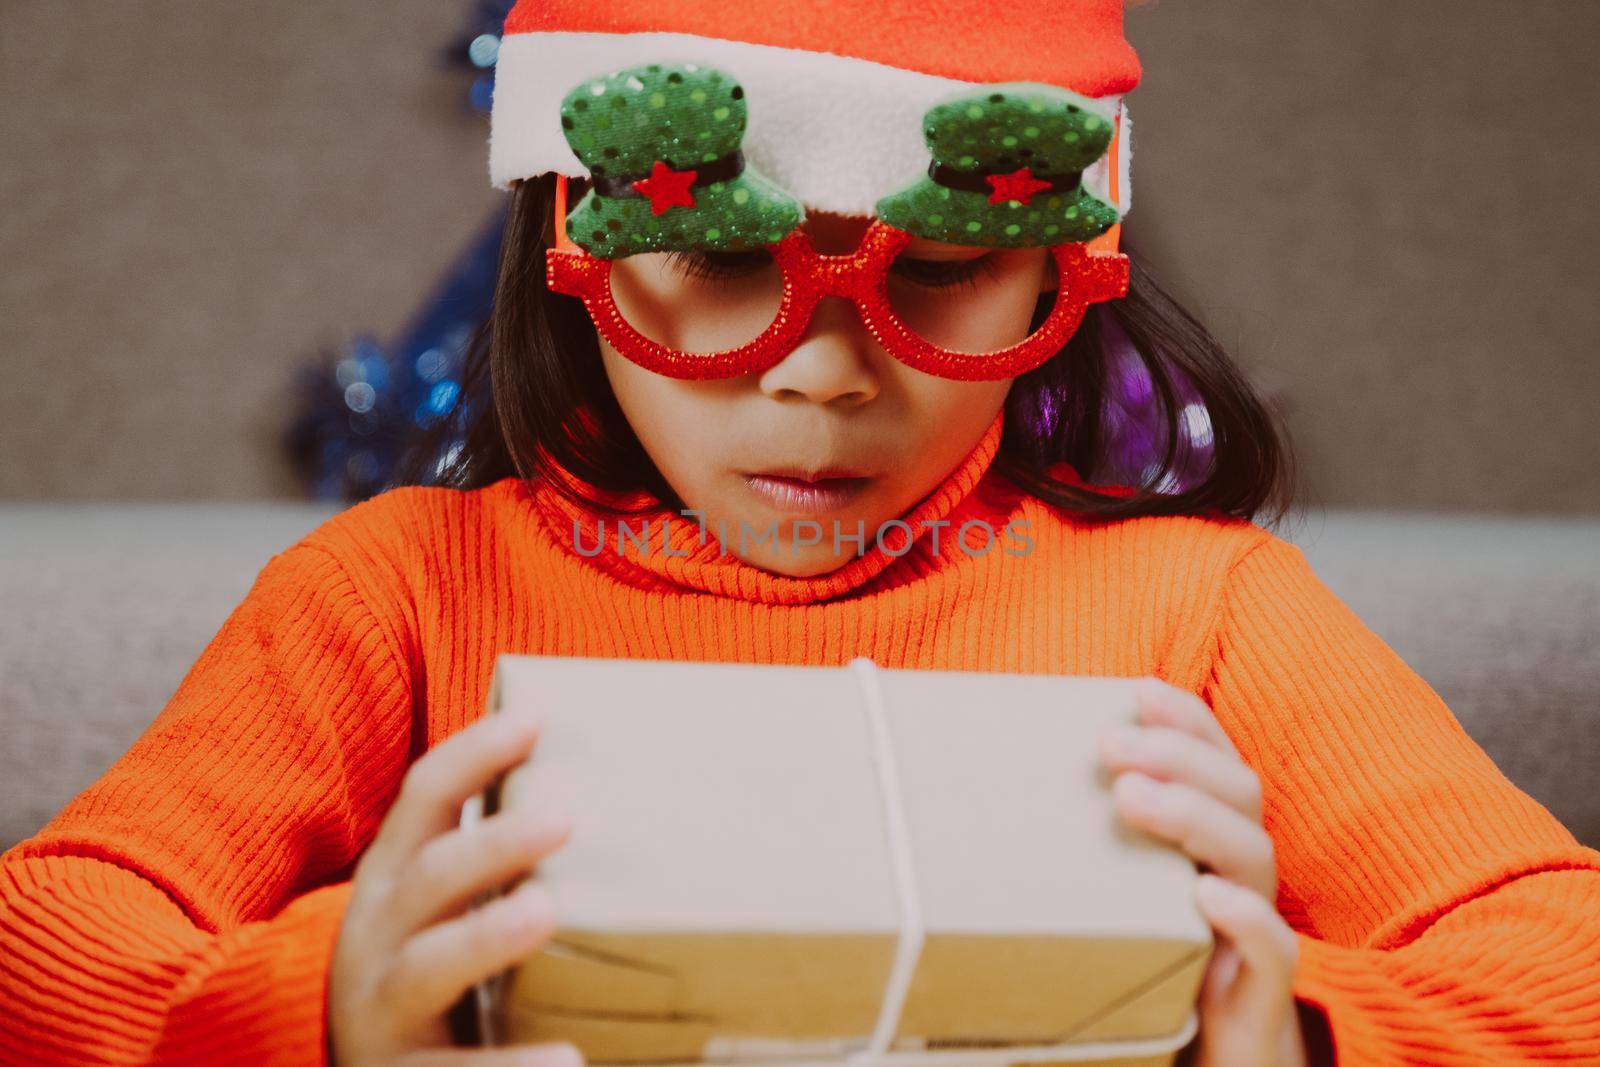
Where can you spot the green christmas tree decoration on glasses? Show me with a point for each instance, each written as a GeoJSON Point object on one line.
{"type": "Point", "coordinates": [1006, 170]}
{"type": "Point", "coordinates": [662, 147]}
{"type": "Point", "coordinates": [695, 266]}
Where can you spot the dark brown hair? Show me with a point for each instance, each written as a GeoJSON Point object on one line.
{"type": "Point", "coordinates": [545, 403]}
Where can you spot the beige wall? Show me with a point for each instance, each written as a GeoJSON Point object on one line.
{"type": "Point", "coordinates": [1390, 207]}
{"type": "Point", "coordinates": [197, 203]}
{"type": "Point", "coordinates": [1385, 207]}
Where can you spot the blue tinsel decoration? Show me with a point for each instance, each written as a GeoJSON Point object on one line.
{"type": "Point", "coordinates": [360, 410]}
{"type": "Point", "coordinates": [363, 408]}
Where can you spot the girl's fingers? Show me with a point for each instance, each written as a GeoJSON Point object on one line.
{"type": "Point", "coordinates": [442, 879]}
{"type": "Point", "coordinates": [433, 790]}
{"type": "Point", "coordinates": [550, 1054]}
{"type": "Point", "coordinates": [1265, 945]}
{"type": "Point", "coordinates": [432, 969]}
{"type": "Point", "coordinates": [1161, 704]}
{"type": "Point", "coordinates": [1220, 974]}
{"type": "Point", "coordinates": [1212, 833]}
{"type": "Point", "coordinates": [1175, 756]}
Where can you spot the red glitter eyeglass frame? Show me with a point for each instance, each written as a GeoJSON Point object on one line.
{"type": "Point", "coordinates": [1084, 277]}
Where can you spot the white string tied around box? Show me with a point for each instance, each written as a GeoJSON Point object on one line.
{"type": "Point", "coordinates": [756, 1052]}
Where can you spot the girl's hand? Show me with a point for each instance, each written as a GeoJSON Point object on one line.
{"type": "Point", "coordinates": [1179, 778]}
{"type": "Point", "coordinates": [408, 946]}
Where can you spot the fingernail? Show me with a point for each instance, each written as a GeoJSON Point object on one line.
{"type": "Point", "coordinates": [1228, 963]}
{"type": "Point", "coordinates": [1121, 742]}
{"type": "Point", "coordinates": [520, 721]}
{"type": "Point", "coordinates": [1138, 787]}
{"type": "Point", "coordinates": [557, 821]}
{"type": "Point", "coordinates": [1215, 892]}
{"type": "Point", "coordinates": [526, 909]}
{"type": "Point", "coordinates": [566, 1055]}
{"type": "Point", "coordinates": [1150, 690]}
{"type": "Point", "coordinates": [530, 823]}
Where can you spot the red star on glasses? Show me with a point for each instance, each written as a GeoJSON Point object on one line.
{"type": "Point", "coordinates": [667, 187]}
{"type": "Point", "coordinates": [1019, 185]}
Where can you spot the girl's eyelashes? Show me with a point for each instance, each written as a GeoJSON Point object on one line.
{"type": "Point", "coordinates": [944, 273]}
{"type": "Point", "coordinates": [928, 273]}
{"type": "Point", "coordinates": [716, 265]}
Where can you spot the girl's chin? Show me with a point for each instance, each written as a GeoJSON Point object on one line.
{"type": "Point", "coordinates": [810, 561]}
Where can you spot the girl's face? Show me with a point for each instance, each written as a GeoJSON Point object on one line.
{"type": "Point", "coordinates": [838, 432]}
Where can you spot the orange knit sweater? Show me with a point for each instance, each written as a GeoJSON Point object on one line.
{"type": "Point", "coordinates": [183, 909]}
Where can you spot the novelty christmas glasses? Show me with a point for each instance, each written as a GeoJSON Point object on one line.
{"type": "Point", "coordinates": [693, 265]}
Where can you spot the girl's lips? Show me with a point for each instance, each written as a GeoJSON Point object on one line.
{"type": "Point", "coordinates": [806, 496]}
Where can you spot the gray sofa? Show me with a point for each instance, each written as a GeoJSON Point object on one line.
{"type": "Point", "coordinates": [103, 608]}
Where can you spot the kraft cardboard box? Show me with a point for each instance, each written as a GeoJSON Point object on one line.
{"type": "Point", "coordinates": [753, 845]}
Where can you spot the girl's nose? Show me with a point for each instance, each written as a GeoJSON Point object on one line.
{"type": "Point", "coordinates": [835, 362]}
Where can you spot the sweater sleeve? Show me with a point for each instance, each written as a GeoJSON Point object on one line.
{"type": "Point", "coordinates": [183, 909]}
{"type": "Point", "coordinates": [1445, 917]}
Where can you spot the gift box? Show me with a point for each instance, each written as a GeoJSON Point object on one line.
{"type": "Point", "coordinates": [775, 864]}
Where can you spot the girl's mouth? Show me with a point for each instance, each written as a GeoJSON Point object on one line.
{"type": "Point", "coordinates": [804, 494]}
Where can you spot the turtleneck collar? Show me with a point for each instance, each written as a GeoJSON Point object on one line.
{"type": "Point", "coordinates": [688, 558]}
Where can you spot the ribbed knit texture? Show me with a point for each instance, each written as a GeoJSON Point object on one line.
{"type": "Point", "coordinates": [184, 908]}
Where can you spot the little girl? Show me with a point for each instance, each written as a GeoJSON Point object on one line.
{"type": "Point", "coordinates": [801, 342]}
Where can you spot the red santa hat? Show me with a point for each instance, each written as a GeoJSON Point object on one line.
{"type": "Point", "coordinates": [837, 91]}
